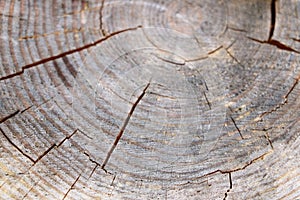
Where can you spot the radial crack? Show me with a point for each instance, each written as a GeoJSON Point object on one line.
{"type": "Point", "coordinates": [273, 19]}
{"type": "Point", "coordinates": [271, 41]}
{"type": "Point", "coordinates": [269, 140]}
{"type": "Point", "coordinates": [96, 165]}
{"type": "Point", "coordinates": [32, 187]}
{"type": "Point", "coordinates": [100, 18]}
{"type": "Point", "coordinates": [237, 128]}
{"type": "Point", "coordinates": [208, 103]}
{"type": "Point", "coordinates": [123, 127]}
{"type": "Point", "coordinates": [61, 55]}
{"type": "Point", "coordinates": [113, 180]}
{"type": "Point", "coordinates": [230, 186]}
{"type": "Point", "coordinates": [72, 187]}
{"type": "Point", "coordinates": [234, 58]}
{"type": "Point", "coordinates": [9, 116]}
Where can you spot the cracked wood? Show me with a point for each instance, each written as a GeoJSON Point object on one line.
{"type": "Point", "coordinates": [114, 145]}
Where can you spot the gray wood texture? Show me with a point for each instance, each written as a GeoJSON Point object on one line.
{"type": "Point", "coordinates": [149, 99]}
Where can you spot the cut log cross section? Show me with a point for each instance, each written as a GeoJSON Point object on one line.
{"type": "Point", "coordinates": [148, 99]}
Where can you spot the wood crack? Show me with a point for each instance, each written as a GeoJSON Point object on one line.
{"type": "Point", "coordinates": [230, 186]}
{"type": "Point", "coordinates": [170, 61]}
{"type": "Point", "coordinates": [237, 128]}
{"type": "Point", "coordinates": [234, 58]}
{"type": "Point", "coordinates": [117, 139]}
{"type": "Point", "coordinates": [285, 100]}
{"type": "Point", "coordinates": [32, 187]}
{"type": "Point", "coordinates": [16, 146]}
{"type": "Point", "coordinates": [239, 168]}
{"type": "Point", "coordinates": [9, 116]}
{"type": "Point", "coordinates": [230, 171]}
{"type": "Point", "coordinates": [268, 138]}
{"type": "Point", "coordinates": [61, 55]}
{"type": "Point", "coordinates": [72, 187]}
{"type": "Point", "coordinates": [247, 164]}
{"type": "Point", "coordinates": [95, 162]}
{"type": "Point", "coordinates": [53, 146]}
{"type": "Point", "coordinates": [275, 43]}
{"type": "Point", "coordinates": [100, 18]}
{"type": "Point", "coordinates": [265, 130]}
{"type": "Point", "coordinates": [207, 101]}
{"type": "Point", "coordinates": [273, 19]}
{"type": "Point", "coordinates": [295, 39]}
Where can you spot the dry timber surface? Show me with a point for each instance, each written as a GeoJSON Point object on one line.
{"type": "Point", "coordinates": [149, 99]}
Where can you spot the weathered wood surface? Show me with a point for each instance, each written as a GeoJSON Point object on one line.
{"type": "Point", "coordinates": [218, 120]}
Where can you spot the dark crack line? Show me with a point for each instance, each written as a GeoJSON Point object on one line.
{"type": "Point", "coordinates": [113, 180]}
{"type": "Point", "coordinates": [208, 103]}
{"type": "Point", "coordinates": [52, 147]}
{"type": "Point", "coordinates": [94, 169]}
{"type": "Point", "coordinates": [93, 161]}
{"type": "Point", "coordinates": [14, 145]}
{"type": "Point", "coordinates": [96, 165]}
{"type": "Point", "coordinates": [215, 50]}
{"type": "Point", "coordinates": [236, 29]}
{"type": "Point", "coordinates": [275, 43]}
{"type": "Point", "coordinates": [269, 140]}
{"type": "Point", "coordinates": [44, 154]}
{"type": "Point", "coordinates": [271, 41]}
{"type": "Point", "coordinates": [237, 169]}
{"type": "Point", "coordinates": [123, 127]}
{"type": "Point", "coordinates": [32, 187]}
{"type": "Point", "coordinates": [22, 111]}
{"type": "Point", "coordinates": [67, 138]}
{"type": "Point", "coordinates": [236, 60]}
{"type": "Point", "coordinates": [205, 84]}
{"type": "Point", "coordinates": [171, 61]}
{"type": "Point", "coordinates": [282, 46]}
{"type": "Point", "coordinates": [233, 170]}
{"type": "Point", "coordinates": [295, 39]}
{"type": "Point", "coordinates": [13, 16]}
{"type": "Point", "coordinates": [265, 130]}
{"type": "Point", "coordinates": [61, 55]}
{"type": "Point", "coordinates": [72, 187]}
{"type": "Point", "coordinates": [285, 99]}
{"type": "Point", "coordinates": [237, 128]}
{"type": "Point", "coordinates": [246, 165]}
{"type": "Point", "coordinates": [273, 19]}
{"type": "Point", "coordinates": [100, 18]}
{"type": "Point", "coordinates": [230, 180]}
{"type": "Point", "coordinates": [10, 116]}
{"type": "Point", "coordinates": [230, 186]}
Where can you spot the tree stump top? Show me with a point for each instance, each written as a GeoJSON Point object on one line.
{"type": "Point", "coordinates": [149, 99]}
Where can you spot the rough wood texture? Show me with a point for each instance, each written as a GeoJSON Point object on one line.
{"type": "Point", "coordinates": [184, 99]}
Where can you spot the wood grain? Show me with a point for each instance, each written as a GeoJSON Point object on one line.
{"type": "Point", "coordinates": [205, 95]}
